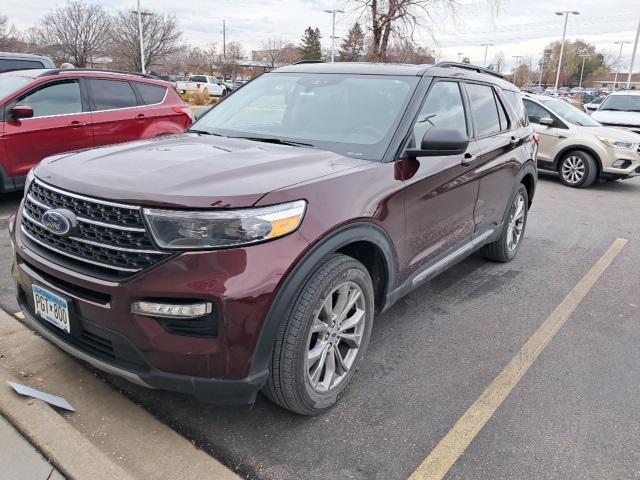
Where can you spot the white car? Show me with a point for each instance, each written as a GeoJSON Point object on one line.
{"type": "Point", "coordinates": [198, 83]}
{"type": "Point", "coordinates": [593, 105]}
{"type": "Point", "coordinates": [620, 109]}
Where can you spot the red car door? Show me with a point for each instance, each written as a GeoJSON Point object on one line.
{"type": "Point", "coordinates": [117, 113]}
{"type": "Point", "coordinates": [61, 122]}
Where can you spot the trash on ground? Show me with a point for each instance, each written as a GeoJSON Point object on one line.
{"type": "Point", "coordinates": [46, 397]}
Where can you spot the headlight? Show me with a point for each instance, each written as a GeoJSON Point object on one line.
{"type": "Point", "coordinates": [620, 144]}
{"type": "Point", "coordinates": [184, 230]}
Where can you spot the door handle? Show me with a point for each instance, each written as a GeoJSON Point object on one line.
{"type": "Point", "coordinates": [468, 158]}
{"type": "Point", "coordinates": [76, 124]}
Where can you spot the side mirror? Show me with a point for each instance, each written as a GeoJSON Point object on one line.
{"type": "Point", "coordinates": [21, 111]}
{"type": "Point", "coordinates": [440, 142]}
{"type": "Point", "coordinates": [546, 121]}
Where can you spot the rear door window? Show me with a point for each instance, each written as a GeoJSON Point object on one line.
{"type": "Point", "coordinates": [150, 94]}
{"type": "Point", "coordinates": [515, 100]}
{"type": "Point", "coordinates": [60, 98]}
{"type": "Point", "coordinates": [483, 109]}
{"type": "Point", "coordinates": [111, 94]}
{"type": "Point", "coordinates": [17, 64]}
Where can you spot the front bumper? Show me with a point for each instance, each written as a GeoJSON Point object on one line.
{"type": "Point", "coordinates": [241, 283]}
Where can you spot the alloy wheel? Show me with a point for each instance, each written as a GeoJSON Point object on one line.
{"type": "Point", "coordinates": [573, 169]}
{"type": "Point", "coordinates": [516, 223]}
{"type": "Point", "coordinates": [335, 337]}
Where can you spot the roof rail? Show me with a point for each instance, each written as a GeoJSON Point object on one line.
{"type": "Point", "coordinates": [301, 62]}
{"type": "Point", "coordinates": [468, 66]}
{"type": "Point", "coordinates": [58, 71]}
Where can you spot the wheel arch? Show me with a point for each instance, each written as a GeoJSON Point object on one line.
{"type": "Point", "coordinates": [528, 176]}
{"type": "Point", "coordinates": [362, 240]}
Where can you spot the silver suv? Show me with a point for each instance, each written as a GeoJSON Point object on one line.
{"type": "Point", "coordinates": [575, 145]}
{"type": "Point", "coordinates": [620, 109]}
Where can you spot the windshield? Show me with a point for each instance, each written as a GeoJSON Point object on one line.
{"type": "Point", "coordinates": [11, 83]}
{"type": "Point", "coordinates": [570, 113]}
{"type": "Point", "coordinates": [623, 103]}
{"type": "Point", "coordinates": [354, 115]}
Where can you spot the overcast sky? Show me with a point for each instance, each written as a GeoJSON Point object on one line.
{"type": "Point", "coordinates": [520, 27]}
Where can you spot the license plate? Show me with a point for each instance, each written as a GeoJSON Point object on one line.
{"type": "Point", "coordinates": [51, 307]}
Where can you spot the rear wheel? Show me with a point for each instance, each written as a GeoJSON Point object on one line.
{"type": "Point", "coordinates": [323, 337]}
{"type": "Point", "coordinates": [505, 248]}
{"type": "Point", "coordinates": [578, 169]}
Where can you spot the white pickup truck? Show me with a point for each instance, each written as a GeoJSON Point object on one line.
{"type": "Point", "coordinates": [198, 83]}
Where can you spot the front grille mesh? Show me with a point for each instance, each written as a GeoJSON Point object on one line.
{"type": "Point", "coordinates": [109, 236]}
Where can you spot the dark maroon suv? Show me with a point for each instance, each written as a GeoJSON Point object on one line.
{"type": "Point", "coordinates": [253, 251]}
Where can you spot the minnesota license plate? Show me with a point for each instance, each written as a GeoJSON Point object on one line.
{"type": "Point", "coordinates": [51, 307]}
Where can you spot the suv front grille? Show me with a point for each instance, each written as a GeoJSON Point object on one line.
{"type": "Point", "coordinates": [109, 236]}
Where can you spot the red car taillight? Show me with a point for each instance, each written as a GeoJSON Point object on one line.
{"type": "Point", "coordinates": [185, 110]}
{"type": "Point", "coordinates": [536, 138]}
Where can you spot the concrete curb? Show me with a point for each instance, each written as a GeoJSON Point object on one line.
{"type": "Point", "coordinates": [109, 437]}
{"type": "Point", "coordinates": [63, 445]}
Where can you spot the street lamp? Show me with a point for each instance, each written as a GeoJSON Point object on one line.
{"type": "Point", "coordinates": [333, 31]}
{"type": "Point", "coordinates": [486, 48]}
{"type": "Point", "coordinates": [140, 14]}
{"type": "Point", "coordinates": [615, 78]}
{"type": "Point", "coordinates": [545, 56]}
{"type": "Point", "coordinates": [564, 34]}
{"type": "Point", "coordinates": [584, 56]}
{"type": "Point", "coordinates": [515, 72]}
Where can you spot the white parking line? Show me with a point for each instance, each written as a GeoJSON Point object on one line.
{"type": "Point", "coordinates": [453, 445]}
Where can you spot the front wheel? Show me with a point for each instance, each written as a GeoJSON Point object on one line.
{"type": "Point", "coordinates": [578, 169]}
{"type": "Point", "coordinates": [505, 248]}
{"type": "Point", "coordinates": [322, 339]}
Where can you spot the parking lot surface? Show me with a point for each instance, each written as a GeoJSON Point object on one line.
{"type": "Point", "coordinates": [574, 414]}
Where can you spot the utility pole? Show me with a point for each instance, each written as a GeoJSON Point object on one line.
{"type": "Point", "coordinates": [633, 56]}
{"type": "Point", "coordinates": [333, 31]}
{"type": "Point", "coordinates": [515, 72]}
{"type": "Point", "coordinates": [584, 56]}
{"type": "Point", "coordinates": [486, 49]}
{"type": "Point", "coordinates": [615, 78]}
{"type": "Point", "coordinates": [224, 40]}
{"type": "Point", "coordinates": [545, 56]}
{"type": "Point", "coordinates": [140, 14]}
{"type": "Point", "coordinates": [460, 56]}
{"type": "Point", "coordinates": [564, 35]}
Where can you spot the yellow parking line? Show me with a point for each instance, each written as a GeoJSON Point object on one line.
{"type": "Point", "coordinates": [453, 445]}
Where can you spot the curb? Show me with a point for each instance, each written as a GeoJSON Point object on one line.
{"type": "Point", "coordinates": [69, 451]}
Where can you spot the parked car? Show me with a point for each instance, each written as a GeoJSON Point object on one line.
{"type": "Point", "coordinates": [579, 148]}
{"type": "Point", "coordinates": [200, 83]}
{"type": "Point", "coordinates": [46, 112]}
{"type": "Point", "coordinates": [253, 251]}
{"type": "Point", "coordinates": [172, 79]}
{"type": "Point", "coordinates": [21, 61]}
{"type": "Point", "coordinates": [620, 109]}
{"type": "Point", "coordinates": [593, 105]}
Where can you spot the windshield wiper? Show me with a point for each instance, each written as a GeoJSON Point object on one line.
{"type": "Point", "coordinates": [278, 141]}
{"type": "Point", "coordinates": [203, 132]}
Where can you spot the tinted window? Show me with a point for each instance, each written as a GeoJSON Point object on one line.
{"type": "Point", "coordinates": [111, 94]}
{"type": "Point", "coordinates": [623, 103]}
{"type": "Point", "coordinates": [443, 108]}
{"type": "Point", "coordinates": [151, 93]}
{"type": "Point", "coordinates": [515, 100]}
{"type": "Point", "coordinates": [56, 99]}
{"type": "Point", "coordinates": [535, 112]}
{"type": "Point", "coordinates": [16, 64]}
{"type": "Point", "coordinates": [483, 107]}
{"type": "Point", "coordinates": [198, 78]}
{"type": "Point", "coordinates": [504, 122]}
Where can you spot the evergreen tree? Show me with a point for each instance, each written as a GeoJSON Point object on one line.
{"type": "Point", "coordinates": [310, 47]}
{"type": "Point", "coordinates": [352, 47]}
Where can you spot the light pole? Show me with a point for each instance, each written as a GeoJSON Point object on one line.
{"type": "Point", "coordinates": [615, 78]}
{"type": "Point", "coordinates": [486, 49]}
{"type": "Point", "coordinates": [460, 56]}
{"type": "Point", "coordinates": [633, 56]}
{"type": "Point", "coordinates": [333, 31]}
{"type": "Point", "coordinates": [564, 34]}
{"type": "Point", "coordinates": [140, 13]}
{"type": "Point", "coordinates": [545, 56]}
{"type": "Point", "coordinates": [515, 72]}
{"type": "Point", "coordinates": [584, 56]}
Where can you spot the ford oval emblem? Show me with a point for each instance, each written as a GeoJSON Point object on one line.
{"type": "Point", "coordinates": [59, 221]}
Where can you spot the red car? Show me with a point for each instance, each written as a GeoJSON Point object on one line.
{"type": "Point", "coordinates": [46, 112]}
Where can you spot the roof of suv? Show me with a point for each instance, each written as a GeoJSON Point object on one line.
{"type": "Point", "coordinates": [471, 72]}
{"type": "Point", "coordinates": [626, 92]}
{"type": "Point", "coordinates": [49, 72]}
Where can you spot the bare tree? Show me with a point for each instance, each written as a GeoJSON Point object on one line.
{"type": "Point", "coordinates": [399, 18]}
{"type": "Point", "coordinates": [498, 62]}
{"type": "Point", "coordinates": [74, 32]}
{"type": "Point", "coordinates": [161, 35]}
{"type": "Point", "coordinates": [408, 52]}
{"type": "Point", "coordinates": [272, 51]}
{"type": "Point", "coordinates": [7, 34]}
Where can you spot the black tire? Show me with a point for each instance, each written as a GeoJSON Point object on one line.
{"type": "Point", "coordinates": [289, 384]}
{"type": "Point", "coordinates": [582, 177]}
{"type": "Point", "coordinates": [500, 250]}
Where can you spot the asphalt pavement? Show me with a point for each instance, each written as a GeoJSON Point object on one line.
{"type": "Point", "coordinates": [574, 414]}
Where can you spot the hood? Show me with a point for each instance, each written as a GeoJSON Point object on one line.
{"type": "Point", "coordinates": [190, 170]}
{"type": "Point", "coordinates": [619, 118]}
{"type": "Point", "coordinates": [612, 132]}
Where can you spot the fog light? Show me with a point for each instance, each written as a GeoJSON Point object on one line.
{"type": "Point", "coordinates": [173, 310]}
{"type": "Point", "coordinates": [621, 164]}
